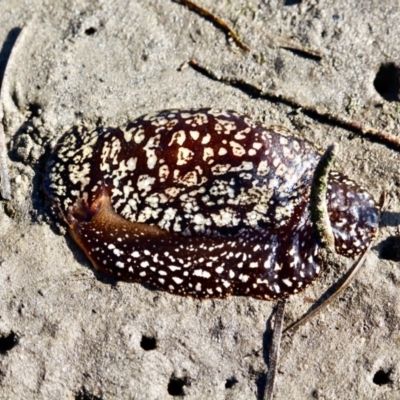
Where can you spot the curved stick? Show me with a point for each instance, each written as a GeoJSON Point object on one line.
{"type": "Point", "coordinates": [274, 351]}
{"type": "Point", "coordinates": [219, 22]}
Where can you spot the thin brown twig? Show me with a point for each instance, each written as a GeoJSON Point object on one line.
{"type": "Point", "coordinates": [5, 188]}
{"type": "Point", "coordinates": [217, 21]}
{"type": "Point", "coordinates": [323, 116]}
{"type": "Point", "coordinates": [295, 47]}
{"type": "Point", "coordinates": [303, 51]}
{"type": "Point", "coordinates": [274, 350]}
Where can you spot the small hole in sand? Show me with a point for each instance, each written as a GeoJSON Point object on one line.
{"type": "Point", "coordinates": [84, 394]}
{"type": "Point", "coordinates": [176, 385]}
{"type": "Point", "coordinates": [90, 31]}
{"type": "Point", "coordinates": [382, 377]}
{"type": "Point", "coordinates": [291, 2]}
{"type": "Point", "coordinates": [7, 342]}
{"type": "Point", "coordinates": [231, 382]}
{"type": "Point", "coordinates": [148, 343]}
{"type": "Point", "coordinates": [387, 82]}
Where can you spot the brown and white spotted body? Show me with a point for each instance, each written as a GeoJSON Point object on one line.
{"type": "Point", "coordinates": [203, 203]}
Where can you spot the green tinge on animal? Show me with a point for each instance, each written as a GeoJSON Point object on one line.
{"type": "Point", "coordinates": [203, 203]}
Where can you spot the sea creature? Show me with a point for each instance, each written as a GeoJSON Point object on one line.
{"type": "Point", "coordinates": [201, 202]}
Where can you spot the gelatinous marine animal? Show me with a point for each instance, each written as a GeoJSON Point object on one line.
{"type": "Point", "coordinates": [204, 203]}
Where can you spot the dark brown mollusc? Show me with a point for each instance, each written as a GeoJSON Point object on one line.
{"type": "Point", "coordinates": [204, 203]}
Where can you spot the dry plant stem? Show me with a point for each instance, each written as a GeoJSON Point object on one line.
{"type": "Point", "coordinates": [324, 115]}
{"type": "Point", "coordinates": [308, 52]}
{"type": "Point", "coordinates": [291, 45]}
{"type": "Point", "coordinates": [274, 350]}
{"type": "Point", "coordinates": [339, 287]}
{"type": "Point", "coordinates": [318, 204]}
{"type": "Point", "coordinates": [5, 188]}
{"type": "Point", "coordinates": [219, 22]}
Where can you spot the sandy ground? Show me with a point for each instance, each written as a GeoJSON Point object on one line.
{"type": "Point", "coordinates": [65, 333]}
